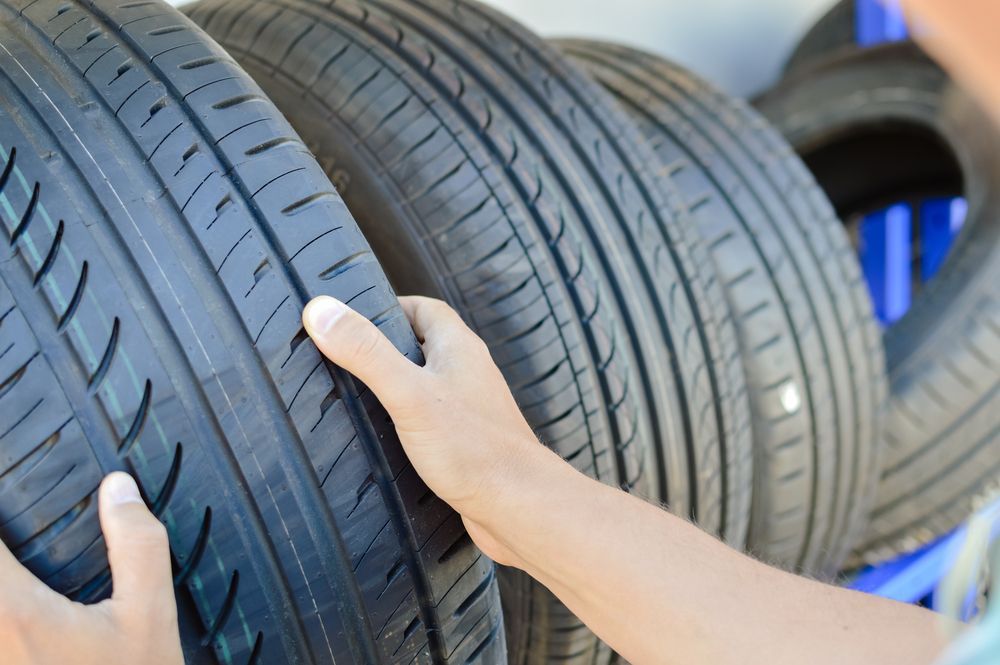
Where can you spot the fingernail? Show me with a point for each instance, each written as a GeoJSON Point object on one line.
{"type": "Point", "coordinates": [121, 488]}
{"type": "Point", "coordinates": [323, 312]}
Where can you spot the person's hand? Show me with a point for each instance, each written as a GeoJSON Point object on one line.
{"type": "Point", "coordinates": [138, 624]}
{"type": "Point", "coordinates": [455, 416]}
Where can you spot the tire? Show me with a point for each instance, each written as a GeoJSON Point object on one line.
{"type": "Point", "coordinates": [165, 227]}
{"type": "Point", "coordinates": [810, 349]}
{"type": "Point", "coordinates": [486, 169]}
{"type": "Point", "coordinates": [834, 32]}
{"type": "Point", "coordinates": [869, 108]}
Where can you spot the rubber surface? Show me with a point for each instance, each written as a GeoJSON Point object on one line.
{"type": "Point", "coordinates": [835, 31]}
{"type": "Point", "coordinates": [163, 227]}
{"type": "Point", "coordinates": [811, 352]}
{"type": "Point", "coordinates": [943, 429]}
{"type": "Point", "coordinates": [488, 170]}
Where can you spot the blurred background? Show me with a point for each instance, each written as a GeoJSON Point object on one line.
{"type": "Point", "coordinates": [740, 45]}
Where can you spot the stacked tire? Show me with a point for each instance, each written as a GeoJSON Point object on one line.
{"type": "Point", "coordinates": [809, 347]}
{"type": "Point", "coordinates": [883, 124]}
{"type": "Point", "coordinates": [412, 70]}
{"type": "Point", "coordinates": [670, 295]}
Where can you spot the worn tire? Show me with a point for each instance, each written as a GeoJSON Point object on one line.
{"type": "Point", "coordinates": [487, 170]}
{"type": "Point", "coordinates": [943, 429]}
{"type": "Point", "coordinates": [165, 227]}
{"type": "Point", "coordinates": [810, 349]}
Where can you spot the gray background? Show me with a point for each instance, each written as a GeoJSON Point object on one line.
{"type": "Point", "coordinates": [739, 44]}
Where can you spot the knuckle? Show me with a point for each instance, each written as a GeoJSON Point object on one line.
{"type": "Point", "coordinates": [416, 300]}
{"type": "Point", "coordinates": [473, 343]}
{"type": "Point", "coordinates": [439, 306]}
{"type": "Point", "coordinates": [453, 317]}
{"type": "Point", "coordinates": [440, 310]}
{"type": "Point", "coordinates": [429, 301]}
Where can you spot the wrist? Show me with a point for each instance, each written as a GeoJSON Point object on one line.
{"type": "Point", "coordinates": [518, 487]}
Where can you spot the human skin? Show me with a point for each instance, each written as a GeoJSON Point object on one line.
{"type": "Point", "coordinates": [961, 35]}
{"type": "Point", "coordinates": [653, 586]}
{"type": "Point", "coordinates": [138, 624]}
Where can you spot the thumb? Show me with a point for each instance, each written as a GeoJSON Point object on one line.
{"type": "Point", "coordinates": [138, 550]}
{"type": "Point", "coordinates": [354, 343]}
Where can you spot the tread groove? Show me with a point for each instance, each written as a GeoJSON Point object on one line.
{"type": "Point", "coordinates": [26, 218]}
{"type": "Point", "coordinates": [74, 302]}
{"type": "Point", "coordinates": [224, 611]}
{"type": "Point", "coordinates": [197, 549]}
{"type": "Point", "coordinates": [50, 257]}
{"type": "Point", "coordinates": [101, 371]}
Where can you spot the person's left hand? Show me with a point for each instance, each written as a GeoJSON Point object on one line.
{"type": "Point", "coordinates": [138, 624]}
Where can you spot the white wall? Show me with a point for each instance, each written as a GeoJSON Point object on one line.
{"type": "Point", "coordinates": [739, 44]}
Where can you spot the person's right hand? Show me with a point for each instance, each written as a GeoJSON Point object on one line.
{"type": "Point", "coordinates": [455, 416]}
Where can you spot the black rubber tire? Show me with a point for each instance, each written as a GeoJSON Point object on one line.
{"type": "Point", "coordinates": [834, 32]}
{"type": "Point", "coordinates": [165, 227]}
{"type": "Point", "coordinates": [810, 349]}
{"type": "Point", "coordinates": [487, 170]}
{"type": "Point", "coordinates": [943, 428]}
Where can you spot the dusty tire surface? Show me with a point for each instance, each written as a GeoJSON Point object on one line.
{"type": "Point", "coordinates": [488, 170]}
{"type": "Point", "coordinates": [942, 456]}
{"type": "Point", "coordinates": [163, 228]}
{"type": "Point", "coordinates": [810, 349]}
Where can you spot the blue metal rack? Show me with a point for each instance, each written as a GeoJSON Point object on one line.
{"type": "Point", "coordinates": [885, 245]}
{"type": "Point", "coordinates": [878, 21]}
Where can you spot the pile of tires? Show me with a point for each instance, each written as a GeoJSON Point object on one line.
{"type": "Point", "coordinates": [809, 348]}
{"type": "Point", "coordinates": [489, 171]}
{"type": "Point", "coordinates": [883, 124]}
{"type": "Point", "coordinates": [165, 226]}
{"type": "Point", "coordinates": [671, 296]}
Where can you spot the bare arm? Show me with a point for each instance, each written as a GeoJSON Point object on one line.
{"type": "Point", "coordinates": [961, 35]}
{"type": "Point", "coordinates": [654, 587]}
{"type": "Point", "coordinates": [660, 590]}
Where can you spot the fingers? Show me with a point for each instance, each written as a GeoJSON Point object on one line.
{"type": "Point", "coordinates": [353, 342]}
{"type": "Point", "coordinates": [437, 325]}
{"type": "Point", "coordinates": [428, 315]}
{"type": "Point", "coordinates": [138, 550]}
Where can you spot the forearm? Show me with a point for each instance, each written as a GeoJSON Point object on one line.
{"type": "Point", "coordinates": [657, 589]}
